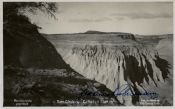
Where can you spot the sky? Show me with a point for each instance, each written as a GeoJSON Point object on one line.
{"type": "Point", "coordinates": [142, 18]}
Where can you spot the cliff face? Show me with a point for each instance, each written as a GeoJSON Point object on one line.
{"type": "Point", "coordinates": [116, 63]}
{"type": "Point", "coordinates": [115, 66]}
{"type": "Point", "coordinates": [118, 66]}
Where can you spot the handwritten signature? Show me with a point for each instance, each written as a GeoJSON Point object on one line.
{"type": "Point", "coordinates": [124, 90]}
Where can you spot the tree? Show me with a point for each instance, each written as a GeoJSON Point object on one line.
{"type": "Point", "coordinates": [12, 10]}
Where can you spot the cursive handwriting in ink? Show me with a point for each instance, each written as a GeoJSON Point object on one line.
{"type": "Point", "coordinates": [124, 90]}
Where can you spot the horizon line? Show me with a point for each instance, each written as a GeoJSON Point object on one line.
{"type": "Point", "coordinates": [103, 32]}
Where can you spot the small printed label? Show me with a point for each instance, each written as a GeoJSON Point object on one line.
{"type": "Point", "coordinates": [149, 102]}
{"type": "Point", "coordinates": [22, 102]}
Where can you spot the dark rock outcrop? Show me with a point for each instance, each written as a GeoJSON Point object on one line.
{"type": "Point", "coordinates": [36, 73]}
{"type": "Point", "coordinates": [25, 47]}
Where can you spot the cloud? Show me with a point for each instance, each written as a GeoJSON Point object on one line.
{"type": "Point", "coordinates": [142, 15]}
{"type": "Point", "coordinates": [120, 18]}
{"type": "Point", "coordinates": [103, 19]}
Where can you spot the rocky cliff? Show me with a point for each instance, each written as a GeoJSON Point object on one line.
{"type": "Point", "coordinates": [114, 66]}
{"type": "Point", "coordinates": [115, 63]}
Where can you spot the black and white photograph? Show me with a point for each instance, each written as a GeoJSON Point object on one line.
{"type": "Point", "coordinates": [87, 54]}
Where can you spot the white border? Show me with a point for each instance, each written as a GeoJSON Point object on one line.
{"type": "Point", "coordinates": [88, 0]}
{"type": "Point", "coordinates": [104, 107]}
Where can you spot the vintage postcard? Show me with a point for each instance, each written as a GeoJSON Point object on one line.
{"type": "Point", "coordinates": [87, 54]}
